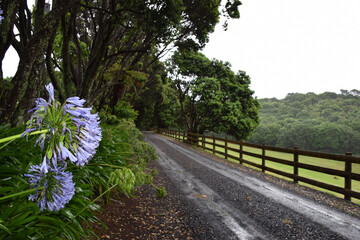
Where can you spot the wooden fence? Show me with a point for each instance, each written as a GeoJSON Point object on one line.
{"type": "Point", "coordinates": [214, 142]}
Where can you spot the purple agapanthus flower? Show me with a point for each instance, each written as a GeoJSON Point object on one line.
{"type": "Point", "coordinates": [58, 187]}
{"type": "Point", "coordinates": [76, 101]}
{"type": "Point", "coordinates": [73, 133]}
{"type": "Point", "coordinates": [65, 153]}
{"type": "Point", "coordinates": [88, 133]}
{"type": "Point", "coordinates": [1, 17]}
{"type": "Point", "coordinates": [50, 89]}
{"type": "Point", "coordinates": [75, 129]}
{"type": "Point", "coordinates": [39, 112]}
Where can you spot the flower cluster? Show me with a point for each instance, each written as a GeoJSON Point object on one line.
{"type": "Point", "coordinates": [1, 17]}
{"type": "Point", "coordinates": [57, 186]}
{"type": "Point", "coordinates": [88, 134]}
{"type": "Point", "coordinates": [73, 133]}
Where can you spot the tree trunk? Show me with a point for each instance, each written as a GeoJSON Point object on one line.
{"type": "Point", "coordinates": [36, 81]}
{"type": "Point", "coordinates": [6, 27]}
{"type": "Point", "coordinates": [28, 55]}
{"type": "Point", "coordinates": [97, 53]}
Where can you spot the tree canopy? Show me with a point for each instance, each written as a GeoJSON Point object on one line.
{"type": "Point", "coordinates": [213, 97]}
{"type": "Point", "coordinates": [108, 52]}
{"type": "Point", "coordinates": [326, 122]}
{"type": "Point", "coordinates": [97, 50]}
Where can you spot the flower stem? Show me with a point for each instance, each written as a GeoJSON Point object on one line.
{"type": "Point", "coordinates": [6, 144]}
{"type": "Point", "coordinates": [87, 206]}
{"type": "Point", "coordinates": [19, 193]}
{"type": "Point", "coordinates": [2, 140]}
{"type": "Point", "coordinates": [105, 165]}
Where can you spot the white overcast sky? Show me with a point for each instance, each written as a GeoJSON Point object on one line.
{"type": "Point", "coordinates": [289, 46]}
{"type": "Point", "coordinates": [286, 46]}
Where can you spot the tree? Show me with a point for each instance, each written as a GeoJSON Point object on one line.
{"type": "Point", "coordinates": [322, 122]}
{"type": "Point", "coordinates": [33, 40]}
{"type": "Point", "coordinates": [95, 48]}
{"type": "Point", "coordinates": [296, 134]}
{"type": "Point", "coordinates": [158, 105]}
{"type": "Point", "coordinates": [266, 133]}
{"type": "Point", "coordinates": [212, 97]}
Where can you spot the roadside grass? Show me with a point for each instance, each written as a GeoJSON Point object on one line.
{"type": "Point", "coordinates": [321, 177]}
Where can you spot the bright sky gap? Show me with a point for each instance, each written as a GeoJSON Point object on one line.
{"type": "Point", "coordinates": [293, 46]}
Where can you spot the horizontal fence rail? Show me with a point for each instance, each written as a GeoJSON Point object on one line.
{"type": "Point", "coordinates": [295, 161]}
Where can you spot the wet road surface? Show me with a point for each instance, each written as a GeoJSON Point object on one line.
{"type": "Point", "coordinates": [237, 205]}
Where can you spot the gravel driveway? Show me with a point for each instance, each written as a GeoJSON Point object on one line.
{"type": "Point", "coordinates": [237, 205]}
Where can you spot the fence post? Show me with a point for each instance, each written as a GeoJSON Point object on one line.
{"type": "Point", "coordinates": [226, 149]}
{"type": "Point", "coordinates": [241, 152]}
{"type": "Point", "coordinates": [263, 158]}
{"type": "Point", "coordinates": [191, 136]}
{"type": "Point", "coordinates": [213, 144]}
{"type": "Point", "coordinates": [348, 170]}
{"type": "Point", "coordinates": [203, 141]}
{"type": "Point", "coordinates": [296, 161]}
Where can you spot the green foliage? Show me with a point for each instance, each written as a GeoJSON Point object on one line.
{"type": "Point", "coordinates": [122, 110]}
{"type": "Point", "coordinates": [327, 122]}
{"type": "Point", "coordinates": [124, 178]}
{"type": "Point", "coordinates": [232, 8]}
{"type": "Point", "coordinates": [158, 104]}
{"type": "Point", "coordinates": [100, 50]}
{"type": "Point", "coordinates": [161, 192]}
{"type": "Point", "coordinates": [212, 96]}
{"type": "Point", "coordinates": [120, 161]}
{"type": "Point", "coordinates": [21, 218]}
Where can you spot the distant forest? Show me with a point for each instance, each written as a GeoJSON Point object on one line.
{"type": "Point", "coordinates": [326, 122]}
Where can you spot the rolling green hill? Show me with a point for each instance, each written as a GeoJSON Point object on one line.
{"type": "Point", "coordinates": [326, 122]}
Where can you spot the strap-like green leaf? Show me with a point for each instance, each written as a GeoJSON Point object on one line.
{"type": "Point", "coordinates": [5, 229]}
